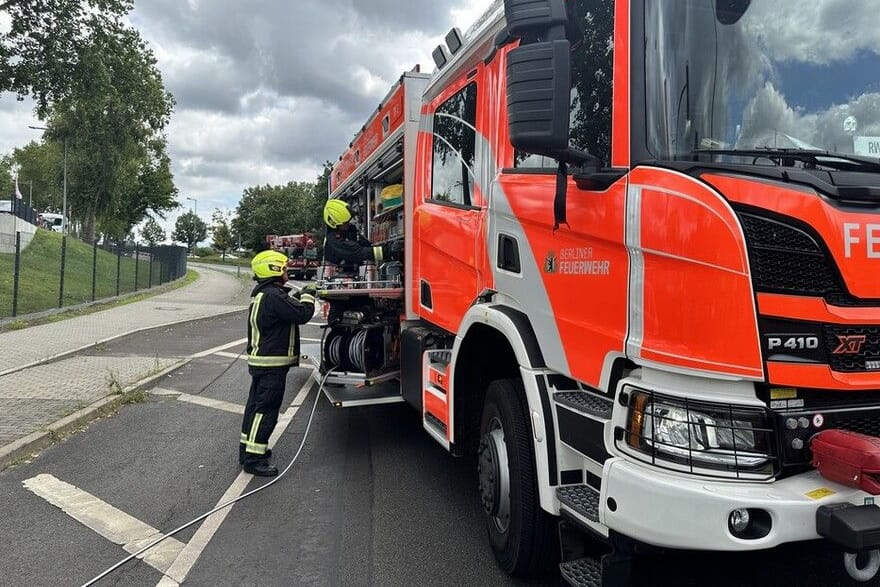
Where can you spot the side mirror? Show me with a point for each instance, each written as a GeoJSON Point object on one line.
{"type": "Point", "coordinates": [539, 97]}
{"type": "Point", "coordinates": [533, 17]}
{"type": "Point", "coordinates": [730, 11]}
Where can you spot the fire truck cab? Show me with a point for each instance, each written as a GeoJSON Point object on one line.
{"type": "Point", "coordinates": [641, 277]}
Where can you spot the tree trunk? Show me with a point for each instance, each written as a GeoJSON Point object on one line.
{"type": "Point", "coordinates": [89, 227]}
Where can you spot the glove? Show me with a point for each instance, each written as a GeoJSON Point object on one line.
{"type": "Point", "coordinates": [307, 294]}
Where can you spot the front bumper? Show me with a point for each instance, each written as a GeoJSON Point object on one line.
{"type": "Point", "coordinates": [678, 511]}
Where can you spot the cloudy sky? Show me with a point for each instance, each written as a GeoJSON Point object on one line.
{"type": "Point", "coordinates": [267, 90]}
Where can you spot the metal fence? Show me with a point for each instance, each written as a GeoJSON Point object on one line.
{"type": "Point", "coordinates": [48, 271]}
{"type": "Point", "coordinates": [20, 209]}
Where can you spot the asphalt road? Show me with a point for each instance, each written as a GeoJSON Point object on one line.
{"type": "Point", "coordinates": [371, 501]}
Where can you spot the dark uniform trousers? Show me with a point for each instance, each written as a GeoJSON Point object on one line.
{"type": "Point", "coordinates": [261, 411]}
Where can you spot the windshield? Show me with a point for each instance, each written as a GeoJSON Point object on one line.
{"type": "Point", "coordinates": [783, 74]}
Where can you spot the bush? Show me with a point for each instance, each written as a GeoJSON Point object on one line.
{"type": "Point", "coordinates": [203, 251]}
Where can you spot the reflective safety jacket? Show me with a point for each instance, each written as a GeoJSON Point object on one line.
{"type": "Point", "coordinates": [273, 325]}
{"type": "Point", "coordinates": [348, 247]}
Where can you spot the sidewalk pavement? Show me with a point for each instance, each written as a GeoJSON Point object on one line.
{"type": "Point", "coordinates": [40, 383]}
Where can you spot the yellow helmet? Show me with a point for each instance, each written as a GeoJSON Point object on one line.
{"type": "Point", "coordinates": [269, 264]}
{"type": "Point", "coordinates": [336, 212]}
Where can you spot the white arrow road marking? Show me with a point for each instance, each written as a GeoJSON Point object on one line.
{"type": "Point", "coordinates": [211, 403]}
{"type": "Point", "coordinates": [187, 558]}
{"type": "Point", "coordinates": [227, 355]}
{"type": "Point", "coordinates": [200, 400]}
{"type": "Point", "coordinates": [222, 347]}
{"type": "Point", "coordinates": [108, 521]}
{"type": "Point", "coordinates": [170, 557]}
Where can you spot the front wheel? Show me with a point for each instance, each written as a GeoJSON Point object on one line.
{"type": "Point", "coordinates": [521, 533]}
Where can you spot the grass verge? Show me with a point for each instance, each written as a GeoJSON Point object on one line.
{"type": "Point", "coordinates": [191, 276]}
{"type": "Point", "coordinates": [39, 286]}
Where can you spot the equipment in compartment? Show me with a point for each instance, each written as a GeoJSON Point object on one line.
{"type": "Point", "coordinates": [362, 342]}
{"type": "Point", "coordinates": [368, 349]}
{"type": "Point", "coordinates": [391, 197]}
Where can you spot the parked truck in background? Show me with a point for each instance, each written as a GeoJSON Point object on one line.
{"type": "Point", "coordinates": [301, 251]}
{"type": "Point", "coordinates": [641, 278]}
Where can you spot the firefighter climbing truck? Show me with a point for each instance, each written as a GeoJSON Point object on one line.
{"type": "Point", "coordinates": [301, 251]}
{"type": "Point", "coordinates": [641, 282]}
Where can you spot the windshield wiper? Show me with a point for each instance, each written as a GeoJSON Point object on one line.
{"type": "Point", "coordinates": [813, 159]}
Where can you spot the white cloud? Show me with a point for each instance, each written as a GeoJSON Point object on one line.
{"type": "Point", "coordinates": [267, 91]}
{"type": "Point", "coordinates": [819, 31]}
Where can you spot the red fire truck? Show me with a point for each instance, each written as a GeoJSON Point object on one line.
{"type": "Point", "coordinates": [641, 278]}
{"type": "Point", "coordinates": [301, 251]}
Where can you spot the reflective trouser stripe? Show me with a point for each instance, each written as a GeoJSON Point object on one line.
{"type": "Point", "coordinates": [377, 254]}
{"type": "Point", "coordinates": [253, 447]}
{"type": "Point", "coordinates": [251, 444]}
{"type": "Point", "coordinates": [285, 361]}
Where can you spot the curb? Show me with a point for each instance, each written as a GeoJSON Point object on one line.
{"type": "Point", "coordinates": [64, 354]}
{"type": "Point", "coordinates": [38, 441]}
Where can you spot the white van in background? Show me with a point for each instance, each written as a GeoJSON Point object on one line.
{"type": "Point", "coordinates": [51, 221]}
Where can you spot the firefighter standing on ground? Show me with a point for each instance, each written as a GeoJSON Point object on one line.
{"type": "Point", "coordinates": [273, 347]}
{"type": "Point", "coordinates": [344, 244]}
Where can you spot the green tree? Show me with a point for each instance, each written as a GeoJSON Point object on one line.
{"type": "Point", "coordinates": [152, 232]}
{"type": "Point", "coordinates": [190, 229]}
{"type": "Point", "coordinates": [40, 163]}
{"type": "Point", "coordinates": [45, 41]}
{"type": "Point", "coordinates": [7, 186]}
{"type": "Point", "coordinates": [289, 209]}
{"type": "Point", "coordinates": [221, 232]}
{"type": "Point", "coordinates": [113, 119]}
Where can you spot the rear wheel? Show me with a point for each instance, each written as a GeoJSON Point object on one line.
{"type": "Point", "coordinates": [521, 533]}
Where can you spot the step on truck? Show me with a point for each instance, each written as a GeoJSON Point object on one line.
{"type": "Point", "coordinates": [641, 279]}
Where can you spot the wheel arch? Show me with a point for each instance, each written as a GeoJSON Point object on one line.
{"type": "Point", "coordinates": [495, 342]}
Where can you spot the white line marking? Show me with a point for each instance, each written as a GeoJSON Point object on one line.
{"type": "Point", "coordinates": [211, 403]}
{"type": "Point", "coordinates": [108, 521]}
{"type": "Point", "coordinates": [222, 347]}
{"type": "Point", "coordinates": [163, 391]}
{"type": "Point", "coordinates": [231, 355]}
{"type": "Point", "coordinates": [187, 558]}
{"type": "Point", "coordinates": [200, 400]}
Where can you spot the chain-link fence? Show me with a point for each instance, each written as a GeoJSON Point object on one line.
{"type": "Point", "coordinates": [41, 270]}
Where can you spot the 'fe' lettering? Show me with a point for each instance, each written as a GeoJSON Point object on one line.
{"type": "Point", "coordinates": [852, 235]}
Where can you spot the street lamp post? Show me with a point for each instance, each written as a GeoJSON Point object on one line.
{"type": "Point", "coordinates": [64, 201]}
{"type": "Point", "coordinates": [196, 204]}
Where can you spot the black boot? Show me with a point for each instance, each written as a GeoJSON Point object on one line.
{"type": "Point", "coordinates": [261, 468]}
{"type": "Point", "coordinates": [241, 454]}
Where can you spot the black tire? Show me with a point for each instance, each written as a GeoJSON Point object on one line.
{"type": "Point", "coordinates": [528, 545]}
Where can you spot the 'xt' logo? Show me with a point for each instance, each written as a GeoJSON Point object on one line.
{"type": "Point", "coordinates": [850, 345]}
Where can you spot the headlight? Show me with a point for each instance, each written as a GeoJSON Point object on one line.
{"type": "Point", "coordinates": [700, 435]}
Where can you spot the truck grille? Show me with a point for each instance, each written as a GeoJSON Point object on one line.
{"type": "Point", "coordinates": [788, 260]}
{"type": "Point", "coordinates": [865, 424]}
{"type": "Point", "coordinates": [851, 348]}
{"type": "Point", "coordinates": [788, 272]}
